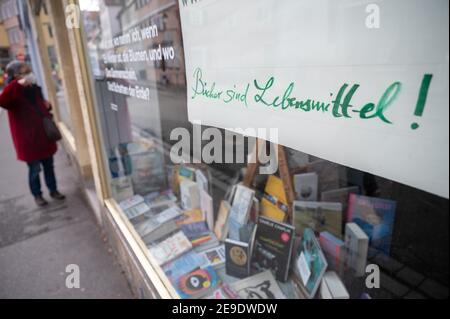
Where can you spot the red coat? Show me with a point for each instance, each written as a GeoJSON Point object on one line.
{"type": "Point", "coordinates": [27, 129]}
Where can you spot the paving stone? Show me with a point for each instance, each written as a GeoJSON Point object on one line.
{"type": "Point", "coordinates": [410, 276]}
{"type": "Point", "coordinates": [434, 289]}
{"type": "Point", "coordinates": [392, 285]}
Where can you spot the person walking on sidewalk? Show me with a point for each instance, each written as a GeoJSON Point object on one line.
{"type": "Point", "coordinates": [25, 104]}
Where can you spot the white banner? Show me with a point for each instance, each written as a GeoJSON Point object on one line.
{"type": "Point", "coordinates": [364, 85]}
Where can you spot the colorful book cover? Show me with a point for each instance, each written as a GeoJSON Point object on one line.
{"type": "Point", "coordinates": [224, 292]}
{"type": "Point", "coordinates": [214, 256]}
{"type": "Point", "coordinates": [201, 240]}
{"type": "Point", "coordinates": [198, 283]}
{"type": "Point", "coordinates": [306, 186]}
{"type": "Point", "coordinates": [310, 264]}
{"type": "Point", "coordinates": [319, 216]}
{"type": "Point", "coordinates": [183, 265]}
{"type": "Point", "coordinates": [238, 258]}
{"type": "Point", "coordinates": [333, 249]}
{"type": "Point", "coordinates": [193, 224]}
{"type": "Point", "coordinates": [376, 218]}
{"type": "Point", "coordinates": [273, 247]}
{"type": "Point", "coordinates": [274, 202]}
{"type": "Point", "coordinates": [185, 173]}
{"type": "Point", "coordinates": [170, 248]}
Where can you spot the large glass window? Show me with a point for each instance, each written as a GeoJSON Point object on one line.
{"type": "Point", "coordinates": [218, 230]}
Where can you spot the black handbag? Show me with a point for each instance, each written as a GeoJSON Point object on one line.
{"type": "Point", "coordinates": [50, 127]}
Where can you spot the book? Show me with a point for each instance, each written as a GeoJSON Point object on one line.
{"type": "Point", "coordinates": [274, 202]}
{"type": "Point", "coordinates": [201, 180]}
{"type": "Point", "coordinates": [158, 208]}
{"type": "Point", "coordinates": [137, 210]}
{"type": "Point", "coordinates": [160, 232]}
{"type": "Point", "coordinates": [214, 256]}
{"type": "Point", "coordinates": [356, 247]}
{"type": "Point", "coordinates": [148, 170]}
{"type": "Point", "coordinates": [146, 227]}
{"type": "Point", "coordinates": [198, 283]}
{"type": "Point", "coordinates": [183, 265]}
{"type": "Point", "coordinates": [211, 242]}
{"type": "Point", "coordinates": [157, 198]}
{"type": "Point", "coordinates": [234, 227]}
{"type": "Point", "coordinates": [190, 196]}
{"type": "Point", "coordinates": [255, 210]}
{"type": "Point", "coordinates": [310, 264]}
{"type": "Point", "coordinates": [238, 257]}
{"type": "Point", "coordinates": [185, 173]}
{"type": "Point", "coordinates": [331, 175]}
{"type": "Point", "coordinates": [206, 205]}
{"type": "Point", "coordinates": [121, 188]}
{"type": "Point", "coordinates": [340, 195]}
{"type": "Point", "coordinates": [221, 225]}
{"type": "Point", "coordinates": [318, 216]}
{"type": "Point", "coordinates": [273, 247]}
{"type": "Point", "coordinates": [259, 286]}
{"type": "Point", "coordinates": [170, 248]}
{"type": "Point", "coordinates": [242, 202]}
{"type": "Point", "coordinates": [224, 292]}
{"type": "Point", "coordinates": [246, 232]}
{"type": "Point", "coordinates": [193, 224]}
{"type": "Point", "coordinates": [130, 202]}
{"type": "Point", "coordinates": [333, 249]}
{"type": "Point", "coordinates": [170, 213]}
{"type": "Point", "coordinates": [332, 287]}
{"type": "Point", "coordinates": [376, 218]}
{"type": "Point", "coordinates": [306, 186]}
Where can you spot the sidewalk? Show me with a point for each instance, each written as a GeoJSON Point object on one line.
{"type": "Point", "coordinates": [36, 244]}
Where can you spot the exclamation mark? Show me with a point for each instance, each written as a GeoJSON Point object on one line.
{"type": "Point", "coordinates": [422, 99]}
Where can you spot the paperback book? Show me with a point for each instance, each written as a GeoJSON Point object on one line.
{"type": "Point", "coordinates": [221, 225]}
{"type": "Point", "coordinates": [318, 216]}
{"type": "Point", "coordinates": [274, 201]}
{"type": "Point", "coordinates": [259, 286]}
{"type": "Point", "coordinates": [242, 203]}
{"type": "Point", "coordinates": [310, 264]}
{"type": "Point", "coordinates": [170, 248]}
{"type": "Point", "coordinates": [214, 256]}
{"type": "Point", "coordinates": [376, 218]}
{"type": "Point", "coordinates": [273, 247]}
{"type": "Point", "coordinates": [224, 292]}
{"type": "Point", "coordinates": [333, 249]}
{"type": "Point", "coordinates": [193, 224]}
{"type": "Point", "coordinates": [183, 265]}
{"type": "Point", "coordinates": [356, 247]}
{"type": "Point", "coordinates": [190, 195]}
{"type": "Point", "coordinates": [198, 283]}
{"type": "Point", "coordinates": [238, 256]}
{"type": "Point", "coordinates": [306, 186]}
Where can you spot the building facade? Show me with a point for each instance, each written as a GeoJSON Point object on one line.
{"type": "Point", "coordinates": [122, 87]}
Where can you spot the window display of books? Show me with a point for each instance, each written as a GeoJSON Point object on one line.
{"type": "Point", "coordinates": [251, 247]}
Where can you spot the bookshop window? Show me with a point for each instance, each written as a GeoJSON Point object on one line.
{"type": "Point", "coordinates": [226, 232]}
